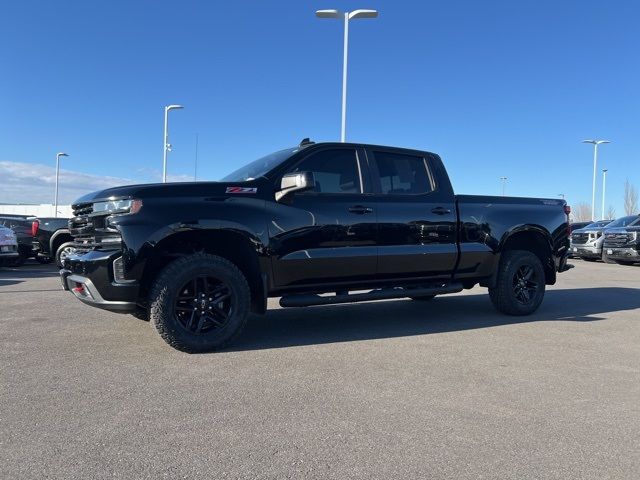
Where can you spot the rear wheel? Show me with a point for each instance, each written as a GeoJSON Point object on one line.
{"type": "Point", "coordinates": [520, 285]}
{"type": "Point", "coordinates": [200, 303]}
{"type": "Point", "coordinates": [64, 251]}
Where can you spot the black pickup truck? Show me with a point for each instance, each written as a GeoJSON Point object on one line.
{"type": "Point", "coordinates": [316, 224]}
{"type": "Point", "coordinates": [52, 239]}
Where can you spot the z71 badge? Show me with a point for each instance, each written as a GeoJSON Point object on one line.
{"type": "Point", "coordinates": [242, 190]}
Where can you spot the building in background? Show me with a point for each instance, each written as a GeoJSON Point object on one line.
{"type": "Point", "coordinates": [35, 209]}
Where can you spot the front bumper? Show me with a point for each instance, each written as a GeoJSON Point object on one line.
{"type": "Point", "coordinates": [617, 253]}
{"type": "Point", "coordinates": [586, 251]}
{"type": "Point", "coordinates": [8, 251]}
{"type": "Point", "coordinates": [85, 291]}
{"type": "Point", "coordinates": [90, 278]}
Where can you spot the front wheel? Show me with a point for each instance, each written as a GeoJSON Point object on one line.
{"type": "Point", "coordinates": [520, 284]}
{"type": "Point", "coordinates": [200, 303]}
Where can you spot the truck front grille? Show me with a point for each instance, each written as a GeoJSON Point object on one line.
{"type": "Point", "coordinates": [580, 238]}
{"type": "Point", "coordinates": [619, 239]}
{"type": "Point", "coordinates": [90, 231]}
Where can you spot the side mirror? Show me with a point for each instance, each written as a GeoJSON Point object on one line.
{"type": "Point", "coordinates": [295, 182]}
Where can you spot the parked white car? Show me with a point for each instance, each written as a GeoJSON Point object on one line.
{"type": "Point", "coordinates": [8, 246]}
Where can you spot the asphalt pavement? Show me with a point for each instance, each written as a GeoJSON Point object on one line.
{"type": "Point", "coordinates": [395, 389]}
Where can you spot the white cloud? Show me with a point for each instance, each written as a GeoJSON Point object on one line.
{"type": "Point", "coordinates": [35, 183]}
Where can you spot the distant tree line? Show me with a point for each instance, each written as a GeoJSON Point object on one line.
{"type": "Point", "coordinates": [582, 211]}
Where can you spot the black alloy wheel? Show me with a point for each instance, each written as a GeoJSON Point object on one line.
{"type": "Point", "coordinates": [525, 284]}
{"type": "Point", "coordinates": [199, 303]}
{"type": "Point", "coordinates": [520, 283]}
{"type": "Point", "coordinates": [203, 304]}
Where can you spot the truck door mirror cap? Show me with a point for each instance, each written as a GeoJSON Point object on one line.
{"type": "Point", "coordinates": [295, 182]}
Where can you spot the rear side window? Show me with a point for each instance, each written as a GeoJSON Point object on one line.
{"type": "Point", "coordinates": [403, 174]}
{"type": "Point", "coordinates": [335, 171]}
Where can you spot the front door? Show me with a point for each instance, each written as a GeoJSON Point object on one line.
{"type": "Point", "coordinates": [329, 233]}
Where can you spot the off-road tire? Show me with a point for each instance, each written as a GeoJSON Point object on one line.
{"type": "Point", "coordinates": [171, 281]}
{"type": "Point", "coordinates": [504, 296]}
{"type": "Point", "coordinates": [60, 252]}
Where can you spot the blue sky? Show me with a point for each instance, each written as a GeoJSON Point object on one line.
{"type": "Point", "coordinates": [495, 87]}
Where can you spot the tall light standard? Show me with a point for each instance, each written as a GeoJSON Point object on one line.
{"type": "Point", "coordinates": [167, 145]}
{"type": "Point", "coordinates": [55, 201]}
{"type": "Point", "coordinates": [595, 144]}
{"type": "Point", "coordinates": [347, 16]}
{"type": "Point", "coordinates": [504, 184]}
{"type": "Point", "coordinates": [604, 188]}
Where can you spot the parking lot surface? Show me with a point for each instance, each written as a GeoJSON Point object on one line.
{"type": "Point", "coordinates": [395, 389]}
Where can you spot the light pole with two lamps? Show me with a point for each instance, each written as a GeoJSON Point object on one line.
{"type": "Point", "coordinates": [55, 200]}
{"type": "Point", "coordinates": [595, 144]}
{"type": "Point", "coordinates": [362, 13]}
{"type": "Point", "coordinates": [167, 145]}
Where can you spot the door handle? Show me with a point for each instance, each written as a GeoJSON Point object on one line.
{"type": "Point", "coordinates": [360, 209]}
{"type": "Point", "coordinates": [440, 210]}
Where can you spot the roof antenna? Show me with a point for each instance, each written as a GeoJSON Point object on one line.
{"type": "Point", "coordinates": [305, 142]}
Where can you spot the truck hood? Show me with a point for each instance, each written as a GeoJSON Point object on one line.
{"type": "Point", "coordinates": [622, 229]}
{"type": "Point", "coordinates": [183, 189]}
{"type": "Point", "coordinates": [589, 230]}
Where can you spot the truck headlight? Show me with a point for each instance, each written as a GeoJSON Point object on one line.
{"type": "Point", "coordinates": [117, 206]}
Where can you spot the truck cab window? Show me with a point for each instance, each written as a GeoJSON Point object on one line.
{"type": "Point", "coordinates": [403, 174]}
{"type": "Point", "coordinates": [334, 171]}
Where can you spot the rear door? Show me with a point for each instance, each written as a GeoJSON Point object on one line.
{"type": "Point", "coordinates": [416, 215]}
{"type": "Point", "coordinates": [328, 234]}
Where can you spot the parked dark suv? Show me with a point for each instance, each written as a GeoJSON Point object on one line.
{"type": "Point", "coordinates": [622, 240]}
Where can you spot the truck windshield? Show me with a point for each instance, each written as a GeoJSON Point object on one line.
{"type": "Point", "coordinates": [259, 167]}
{"type": "Point", "coordinates": [630, 221]}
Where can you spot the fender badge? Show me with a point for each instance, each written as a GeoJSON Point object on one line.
{"type": "Point", "coordinates": [241, 190]}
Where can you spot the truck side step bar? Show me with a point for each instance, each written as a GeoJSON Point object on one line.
{"type": "Point", "coordinates": [307, 300]}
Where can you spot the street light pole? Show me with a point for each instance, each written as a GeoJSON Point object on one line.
{"type": "Point", "coordinates": [604, 188]}
{"type": "Point", "coordinates": [167, 145]}
{"type": "Point", "coordinates": [55, 200]}
{"type": "Point", "coordinates": [347, 16]}
{"type": "Point", "coordinates": [595, 144]}
{"type": "Point", "coordinates": [345, 55]}
{"type": "Point", "coordinates": [504, 184]}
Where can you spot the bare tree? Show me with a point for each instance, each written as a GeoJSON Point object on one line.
{"type": "Point", "coordinates": [581, 212]}
{"type": "Point", "coordinates": [630, 198]}
{"type": "Point", "coordinates": [611, 213]}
